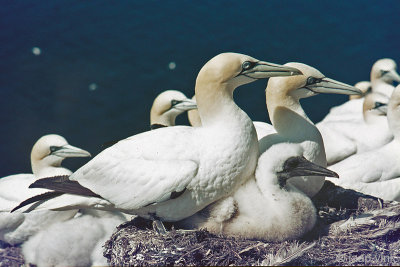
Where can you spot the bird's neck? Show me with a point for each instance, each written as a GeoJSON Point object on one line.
{"type": "Point", "coordinates": [393, 115]}
{"type": "Point", "coordinates": [46, 166]}
{"type": "Point", "coordinates": [288, 117]}
{"type": "Point", "coordinates": [216, 105]}
{"type": "Point", "coordinates": [382, 87]}
{"type": "Point", "coordinates": [162, 120]}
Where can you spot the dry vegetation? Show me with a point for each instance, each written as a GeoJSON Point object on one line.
{"type": "Point", "coordinates": [353, 229]}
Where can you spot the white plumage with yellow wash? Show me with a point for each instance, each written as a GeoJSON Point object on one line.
{"type": "Point", "coordinates": [173, 172]}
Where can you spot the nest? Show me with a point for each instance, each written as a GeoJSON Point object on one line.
{"type": "Point", "coordinates": [352, 229]}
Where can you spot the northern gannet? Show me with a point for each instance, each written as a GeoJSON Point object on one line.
{"type": "Point", "coordinates": [167, 106]}
{"type": "Point", "coordinates": [46, 157]}
{"type": "Point", "coordinates": [345, 138]}
{"type": "Point", "coordinates": [290, 122]}
{"type": "Point", "coordinates": [383, 74]}
{"type": "Point", "coordinates": [172, 172]}
{"type": "Point", "coordinates": [371, 171]}
{"type": "Point", "coordinates": [76, 242]}
{"type": "Point", "coordinates": [266, 207]}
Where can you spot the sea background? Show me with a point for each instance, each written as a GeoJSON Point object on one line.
{"type": "Point", "coordinates": [103, 62]}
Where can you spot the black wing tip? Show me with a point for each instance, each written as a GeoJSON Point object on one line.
{"type": "Point", "coordinates": [40, 183]}
{"type": "Point", "coordinates": [44, 196]}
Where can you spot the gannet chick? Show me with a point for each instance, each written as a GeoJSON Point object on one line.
{"type": "Point", "coordinates": [173, 172]}
{"type": "Point", "coordinates": [268, 207]}
{"type": "Point", "coordinates": [365, 87]}
{"type": "Point", "coordinates": [345, 138]}
{"type": "Point", "coordinates": [291, 123]}
{"type": "Point", "coordinates": [193, 116]}
{"type": "Point", "coordinates": [76, 242]}
{"type": "Point", "coordinates": [46, 157]}
{"type": "Point", "coordinates": [167, 106]}
{"type": "Point", "coordinates": [383, 74]}
{"type": "Point", "coordinates": [376, 166]}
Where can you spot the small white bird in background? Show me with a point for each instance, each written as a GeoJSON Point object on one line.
{"type": "Point", "coordinates": [371, 171]}
{"type": "Point", "coordinates": [290, 122]}
{"type": "Point", "coordinates": [46, 157]}
{"type": "Point", "coordinates": [383, 74]}
{"type": "Point", "coordinates": [76, 242]}
{"type": "Point", "coordinates": [167, 106]}
{"type": "Point", "coordinates": [348, 137]}
{"type": "Point", "coordinates": [173, 172]}
{"type": "Point", "coordinates": [266, 207]}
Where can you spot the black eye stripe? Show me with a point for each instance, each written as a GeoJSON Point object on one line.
{"type": "Point", "coordinates": [175, 102]}
{"type": "Point", "coordinates": [313, 80]}
{"type": "Point", "coordinates": [379, 104]}
{"type": "Point", "coordinates": [54, 148]}
{"type": "Point", "coordinates": [248, 65]}
{"type": "Point", "coordinates": [383, 72]}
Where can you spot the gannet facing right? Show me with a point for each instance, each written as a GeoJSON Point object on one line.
{"type": "Point", "coordinates": [167, 106]}
{"type": "Point", "coordinates": [46, 157]}
{"type": "Point", "coordinates": [345, 138]}
{"type": "Point", "coordinates": [291, 123]}
{"type": "Point", "coordinates": [383, 74]}
{"type": "Point", "coordinates": [266, 207]}
{"type": "Point", "coordinates": [370, 172]}
{"type": "Point", "coordinates": [173, 172]}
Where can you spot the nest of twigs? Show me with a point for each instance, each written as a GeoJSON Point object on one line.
{"type": "Point", "coordinates": [353, 229]}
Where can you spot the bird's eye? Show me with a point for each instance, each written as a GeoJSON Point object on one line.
{"type": "Point", "coordinates": [247, 65]}
{"type": "Point", "coordinates": [291, 163]}
{"type": "Point", "coordinates": [54, 148]}
{"type": "Point", "coordinates": [311, 80]}
{"type": "Point", "coordinates": [379, 104]}
{"type": "Point", "coordinates": [383, 72]}
{"type": "Point", "coordinates": [175, 102]}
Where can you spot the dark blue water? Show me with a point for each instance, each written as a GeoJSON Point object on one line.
{"type": "Point", "coordinates": [124, 47]}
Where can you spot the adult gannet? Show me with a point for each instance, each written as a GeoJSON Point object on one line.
{"type": "Point", "coordinates": [172, 172]}
{"type": "Point", "coordinates": [46, 157]}
{"type": "Point", "coordinates": [167, 106]}
{"type": "Point", "coordinates": [383, 74]}
{"type": "Point", "coordinates": [291, 123]}
{"type": "Point", "coordinates": [266, 207]}
{"type": "Point", "coordinates": [76, 242]}
{"type": "Point", "coordinates": [345, 138]}
{"type": "Point", "coordinates": [373, 169]}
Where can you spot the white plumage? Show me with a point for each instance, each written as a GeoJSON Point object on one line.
{"type": "Point", "coordinates": [366, 171]}
{"type": "Point", "coordinates": [265, 207]}
{"type": "Point", "coordinates": [173, 172]}
{"type": "Point", "coordinates": [291, 123]}
{"type": "Point", "coordinates": [76, 242]}
{"type": "Point", "coordinates": [168, 105]}
{"type": "Point", "coordinates": [345, 138]}
{"type": "Point", "coordinates": [46, 157]}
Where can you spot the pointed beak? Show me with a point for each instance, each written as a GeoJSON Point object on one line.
{"type": "Point", "coordinates": [330, 86]}
{"type": "Point", "coordinates": [264, 70]}
{"type": "Point", "coordinates": [187, 104]}
{"type": "Point", "coordinates": [307, 168]}
{"type": "Point", "coordinates": [69, 151]}
{"type": "Point", "coordinates": [394, 76]}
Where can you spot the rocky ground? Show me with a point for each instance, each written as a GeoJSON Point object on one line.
{"type": "Point", "coordinates": [352, 229]}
